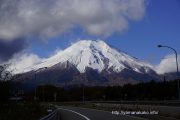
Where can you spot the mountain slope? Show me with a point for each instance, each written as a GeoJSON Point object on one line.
{"type": "Point", "coordinates": [94, 62]}
{"type": "Point", "coordinates": [96, 55]}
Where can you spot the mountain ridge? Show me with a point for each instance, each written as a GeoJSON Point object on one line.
{"type": "Point", "coordinates": [90, 63]}
{"type": "Point", "coordinates": [94, 54]}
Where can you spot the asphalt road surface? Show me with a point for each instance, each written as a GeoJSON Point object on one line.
{"type": "Point", "coordinates": [76, 113]}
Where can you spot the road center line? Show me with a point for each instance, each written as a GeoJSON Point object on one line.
{"type": "Point", "coordinates": [75, 113]}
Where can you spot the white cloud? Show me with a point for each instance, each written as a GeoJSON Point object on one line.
{"type": "Point", "coordinates": [21, 62]}
{"type": "Point", "coordinates": [49, 18]}
{"type": "Point", "coordinates": [168, 64]}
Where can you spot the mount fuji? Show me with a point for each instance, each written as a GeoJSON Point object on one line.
{"type": "Point", "coordinates": [92, 63]}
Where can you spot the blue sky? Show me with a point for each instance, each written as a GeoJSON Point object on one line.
{"type": "Point", "coordinates": [160, 25]}
{"type": "Point", "coordinates": [134, 26]}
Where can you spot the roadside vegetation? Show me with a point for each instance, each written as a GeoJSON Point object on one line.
{"type": "Point", "coordinates": [22, 111]}
{"type": "Point", "coordinates": [25, 104]}
{"type": "Point", "coordinates": [12, 104]}
{"type": "Point", "coordinates": [150, 91]}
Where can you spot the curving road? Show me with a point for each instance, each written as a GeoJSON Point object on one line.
{"type": "Point", "coordinates": [76, 113]}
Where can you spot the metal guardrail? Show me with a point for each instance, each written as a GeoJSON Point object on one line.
{"type": "Point", "coordinates": [52, 116]}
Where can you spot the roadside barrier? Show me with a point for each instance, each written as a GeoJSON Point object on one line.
{"type": "Point", "coordinates": [52, 116]}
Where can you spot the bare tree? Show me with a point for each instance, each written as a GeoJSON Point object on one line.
{"type": "Point", "coordinates": [5, 75]}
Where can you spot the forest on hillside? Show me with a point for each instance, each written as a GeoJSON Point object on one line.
{"type": "Point", "coordinates": [153, 90]}
{"type": "Point", "coordinates": [165, 90]}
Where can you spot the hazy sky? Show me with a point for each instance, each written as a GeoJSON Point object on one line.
{"type": "Point", "coordinates": [42, 27]}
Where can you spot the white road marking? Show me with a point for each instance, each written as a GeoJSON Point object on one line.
{"type": "Point", "coordinates": [75, 113]}
{"type": "Point", "coordinates": [135, 117]}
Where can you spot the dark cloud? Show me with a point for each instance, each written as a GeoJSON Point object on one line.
{"type": "Point", "coordinates": [9, 48]}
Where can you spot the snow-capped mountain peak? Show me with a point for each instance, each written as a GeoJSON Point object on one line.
{"type": "Point", "coordinates": [96, 55]}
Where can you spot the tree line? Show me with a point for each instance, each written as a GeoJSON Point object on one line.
{"type": "Point", "coordinates": [164, 90]}
{"type": "Point", "coordinates": [153, 90]}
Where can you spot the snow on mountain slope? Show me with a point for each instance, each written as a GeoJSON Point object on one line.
{"type": "Point", "coordinates": [96, 55]}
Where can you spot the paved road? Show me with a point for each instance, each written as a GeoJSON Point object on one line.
{"type": "Point", "coordinates": [76, 113]}
{"type": "Point", "coordinates": [171, 111]}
